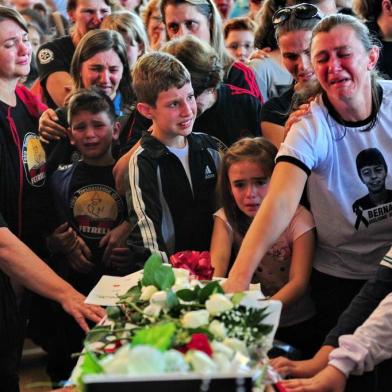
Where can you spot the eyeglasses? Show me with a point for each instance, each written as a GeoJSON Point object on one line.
{"type": "Point", "coordinates": [300, 11]}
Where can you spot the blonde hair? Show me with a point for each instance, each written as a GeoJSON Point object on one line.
{"type": "Point", "coordinates": [129, 25]}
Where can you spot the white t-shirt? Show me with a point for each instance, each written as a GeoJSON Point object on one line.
{"type": "Point", "coordinates": [351, 241]}
{"type": "Point", "coordinates": [273, 270]}
{"type": "Point", "coordinates": [183, 155]}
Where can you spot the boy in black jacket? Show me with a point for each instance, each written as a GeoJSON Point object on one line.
{"type": "Point", "coordinates": [172, 175]}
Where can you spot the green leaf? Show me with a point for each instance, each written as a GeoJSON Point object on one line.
{"type": "Point", "coordinates": [133, 294]}
{"type": "Point", "coordinates": [187, 295]}
{"type": "Point", "coordinates": [114, 312]}
{"type": "Point", "coordinates": [97, 333]}
{"type": "Point", "coordinates": [159, 336]}
{"type": "Point", "coordinates": [151, 265]}
{"type": "Point", "coordinates": [90, 364]}
{"type": "Point", "coordinates": [207, 291]}
{"type": "Point", "coordinates": [172, 300]}
{"type": "Point", "coordinates": [164, 277]}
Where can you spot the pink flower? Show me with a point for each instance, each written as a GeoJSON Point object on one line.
{"type": "Point", "coordinates": [197, 263]}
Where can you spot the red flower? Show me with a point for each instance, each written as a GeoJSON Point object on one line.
{"type": "Point", "coordinates": [198, 263]}
{"type": "Point", "coordinates": [199, 341]}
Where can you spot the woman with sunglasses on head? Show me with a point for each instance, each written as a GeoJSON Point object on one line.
{"type": "Point", "coordinates": [202, 19]}
{"type": "Point", "coordinates": [350, 114]}
{"type": "Point", "coordinates": [293, 30]}
{"type": "Point", "coordinates": [272, 77]}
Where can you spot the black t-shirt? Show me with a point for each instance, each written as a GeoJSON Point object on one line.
{"type": "Point", "coordinates": [2, 221]}
{"type": "Point", "coordinates": [384, 64]}
{"type": "Point", "coordinates": [24, 196]}
{"type": "Point", "coordinates": [276, 109]}
{"type": "Point", "coordinates": [54, 56]}
{"type": "Point", "coordinates": [232, 117]}
{"type": "Point", "coordinates": [92, 207]}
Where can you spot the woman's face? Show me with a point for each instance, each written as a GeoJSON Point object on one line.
{"type": "Point", "coordinates": [15, 50]}
{"type": "Point", "coordinates": [88, 15]}
{"type": "Point", "coordinates": [155, 28]}
{"type": "Point", "coordinates": [295, 49]}
{"type": "Point", "coordinates": [35, 39]}
{"type": "Point", "coordinates": [130, 5]}
{"type": "Point", "coordinates": [134, 50]}
{"type": "Point", "coordinates": [342, 65]}
{"type": "Point", "coordinates": [185, 19]}
{"type": "Point", "coordinates": [249, 185]}
{"type": "Point", "coordinates": [104, 70]}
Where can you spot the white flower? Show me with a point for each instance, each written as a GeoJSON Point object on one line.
{"type": "Point", "coordinates": [181, 274]}
{"type": "Point", "coordinates": [147, 292]}
{"type": "Point", "coordinates": [218, 303]}
{"type": "Point", "coordinates": [175, 362]}
{"type": "Point", "coordinates": [218, 329]}
{"type": "Point", "coordinates": [236, 345]}
{"type": "Point", "coordinates": [218, 347]}
{"type": "Point", "coordinates": [195, 319]}
{"type": "Point", "coordinates": [181, 285]}
{"type": "Point", "coordinates": [200, 362]}
{"type": "Point", "coordinates": [222, 362]}
{"type": "Point", "coordinates": [145, 360]}
{"type": "Point", "coordinates": [117, 363]}
{"type": "Point", "coordinates": [152, 310]}
{"type": "Point", "coordinates": [159, 298]}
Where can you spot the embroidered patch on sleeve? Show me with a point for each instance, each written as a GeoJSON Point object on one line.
{"type": "Point", "coordinates": [45, 56]}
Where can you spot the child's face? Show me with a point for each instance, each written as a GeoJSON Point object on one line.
{"type": "Point", "coordinates": [239, 44]}
{"type": "Point", "coordinates": [173, 115]}
{"type": "Point", "coordinates": [92, 135]}
{"type": "Point", "coordinates": [373, 176]}
{"type": "Point", "coordinates": [249, 185]}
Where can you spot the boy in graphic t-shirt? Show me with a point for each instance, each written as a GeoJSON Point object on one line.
{"type": "Point", "coordinates": [93, 230]}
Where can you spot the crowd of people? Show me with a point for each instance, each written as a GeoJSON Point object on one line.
{"type": "Point", "coordinates": [132, 128]}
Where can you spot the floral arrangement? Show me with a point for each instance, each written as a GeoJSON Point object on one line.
{"type": "Point", "coordinates": [172, 323]}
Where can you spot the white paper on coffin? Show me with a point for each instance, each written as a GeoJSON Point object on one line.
{"type": "Point", "coordinates": [109, 288]}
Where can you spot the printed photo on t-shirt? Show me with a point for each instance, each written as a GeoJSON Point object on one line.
{"type": "Point", "coordinates": [377, 204]}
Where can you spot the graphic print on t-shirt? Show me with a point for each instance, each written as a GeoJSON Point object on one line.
{"type": "Point", "coordinates": [34, 160]}
{"type": "Point", "coordinates": [377, 204]}
{"type": "Point", "coordinates": [96, 209]}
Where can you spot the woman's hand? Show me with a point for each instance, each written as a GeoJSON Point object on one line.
{"type": "Point", "coordinates": [296, 116]}
{"type": "Point", "coordinates": [233, 285]}
{"type": "Point", "coordinates": [73, 303]}
{"type": "Point", "coordinates": [48, 128]}
{"type": "Point", "coordinates": [329, 379]}
{"type": "Point", "coordinates": [260, 54]}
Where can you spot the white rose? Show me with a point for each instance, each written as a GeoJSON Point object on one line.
{"type": "Point", "coordinates": [181, 274]}
{"type": "Point", "coordinates": [218, 303]}
{"type": "Point", "coordinates": [147, 292]}
{"type": "Point", "coordinates": [152, 310]}
{"type": "Point", "coordinates": [236, 345]}
{"type": "Point", "coordinates": [180, 285]}
{"type": "Point", "coordinates": [222, 362]}
{"type": "Point", "coordinates": [218, 329]}
{"type": "Point", "coordinates": [195, 319]}
{"type": "Point", "coordinates": [145, 360]}
{"type": "Point", "coordinates": [175, 362]}
{"type": "Point", "coordinates": [117, 363]}
{"type": "Point", "coordinates": [200, 362]}
{"type": "Point", "coordinates": [218, 347]}
{"type": "Point", "coordinates": [159, 298]}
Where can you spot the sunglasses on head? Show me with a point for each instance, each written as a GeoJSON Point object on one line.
{"type": "Point", "coordinates": [300, 11]}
